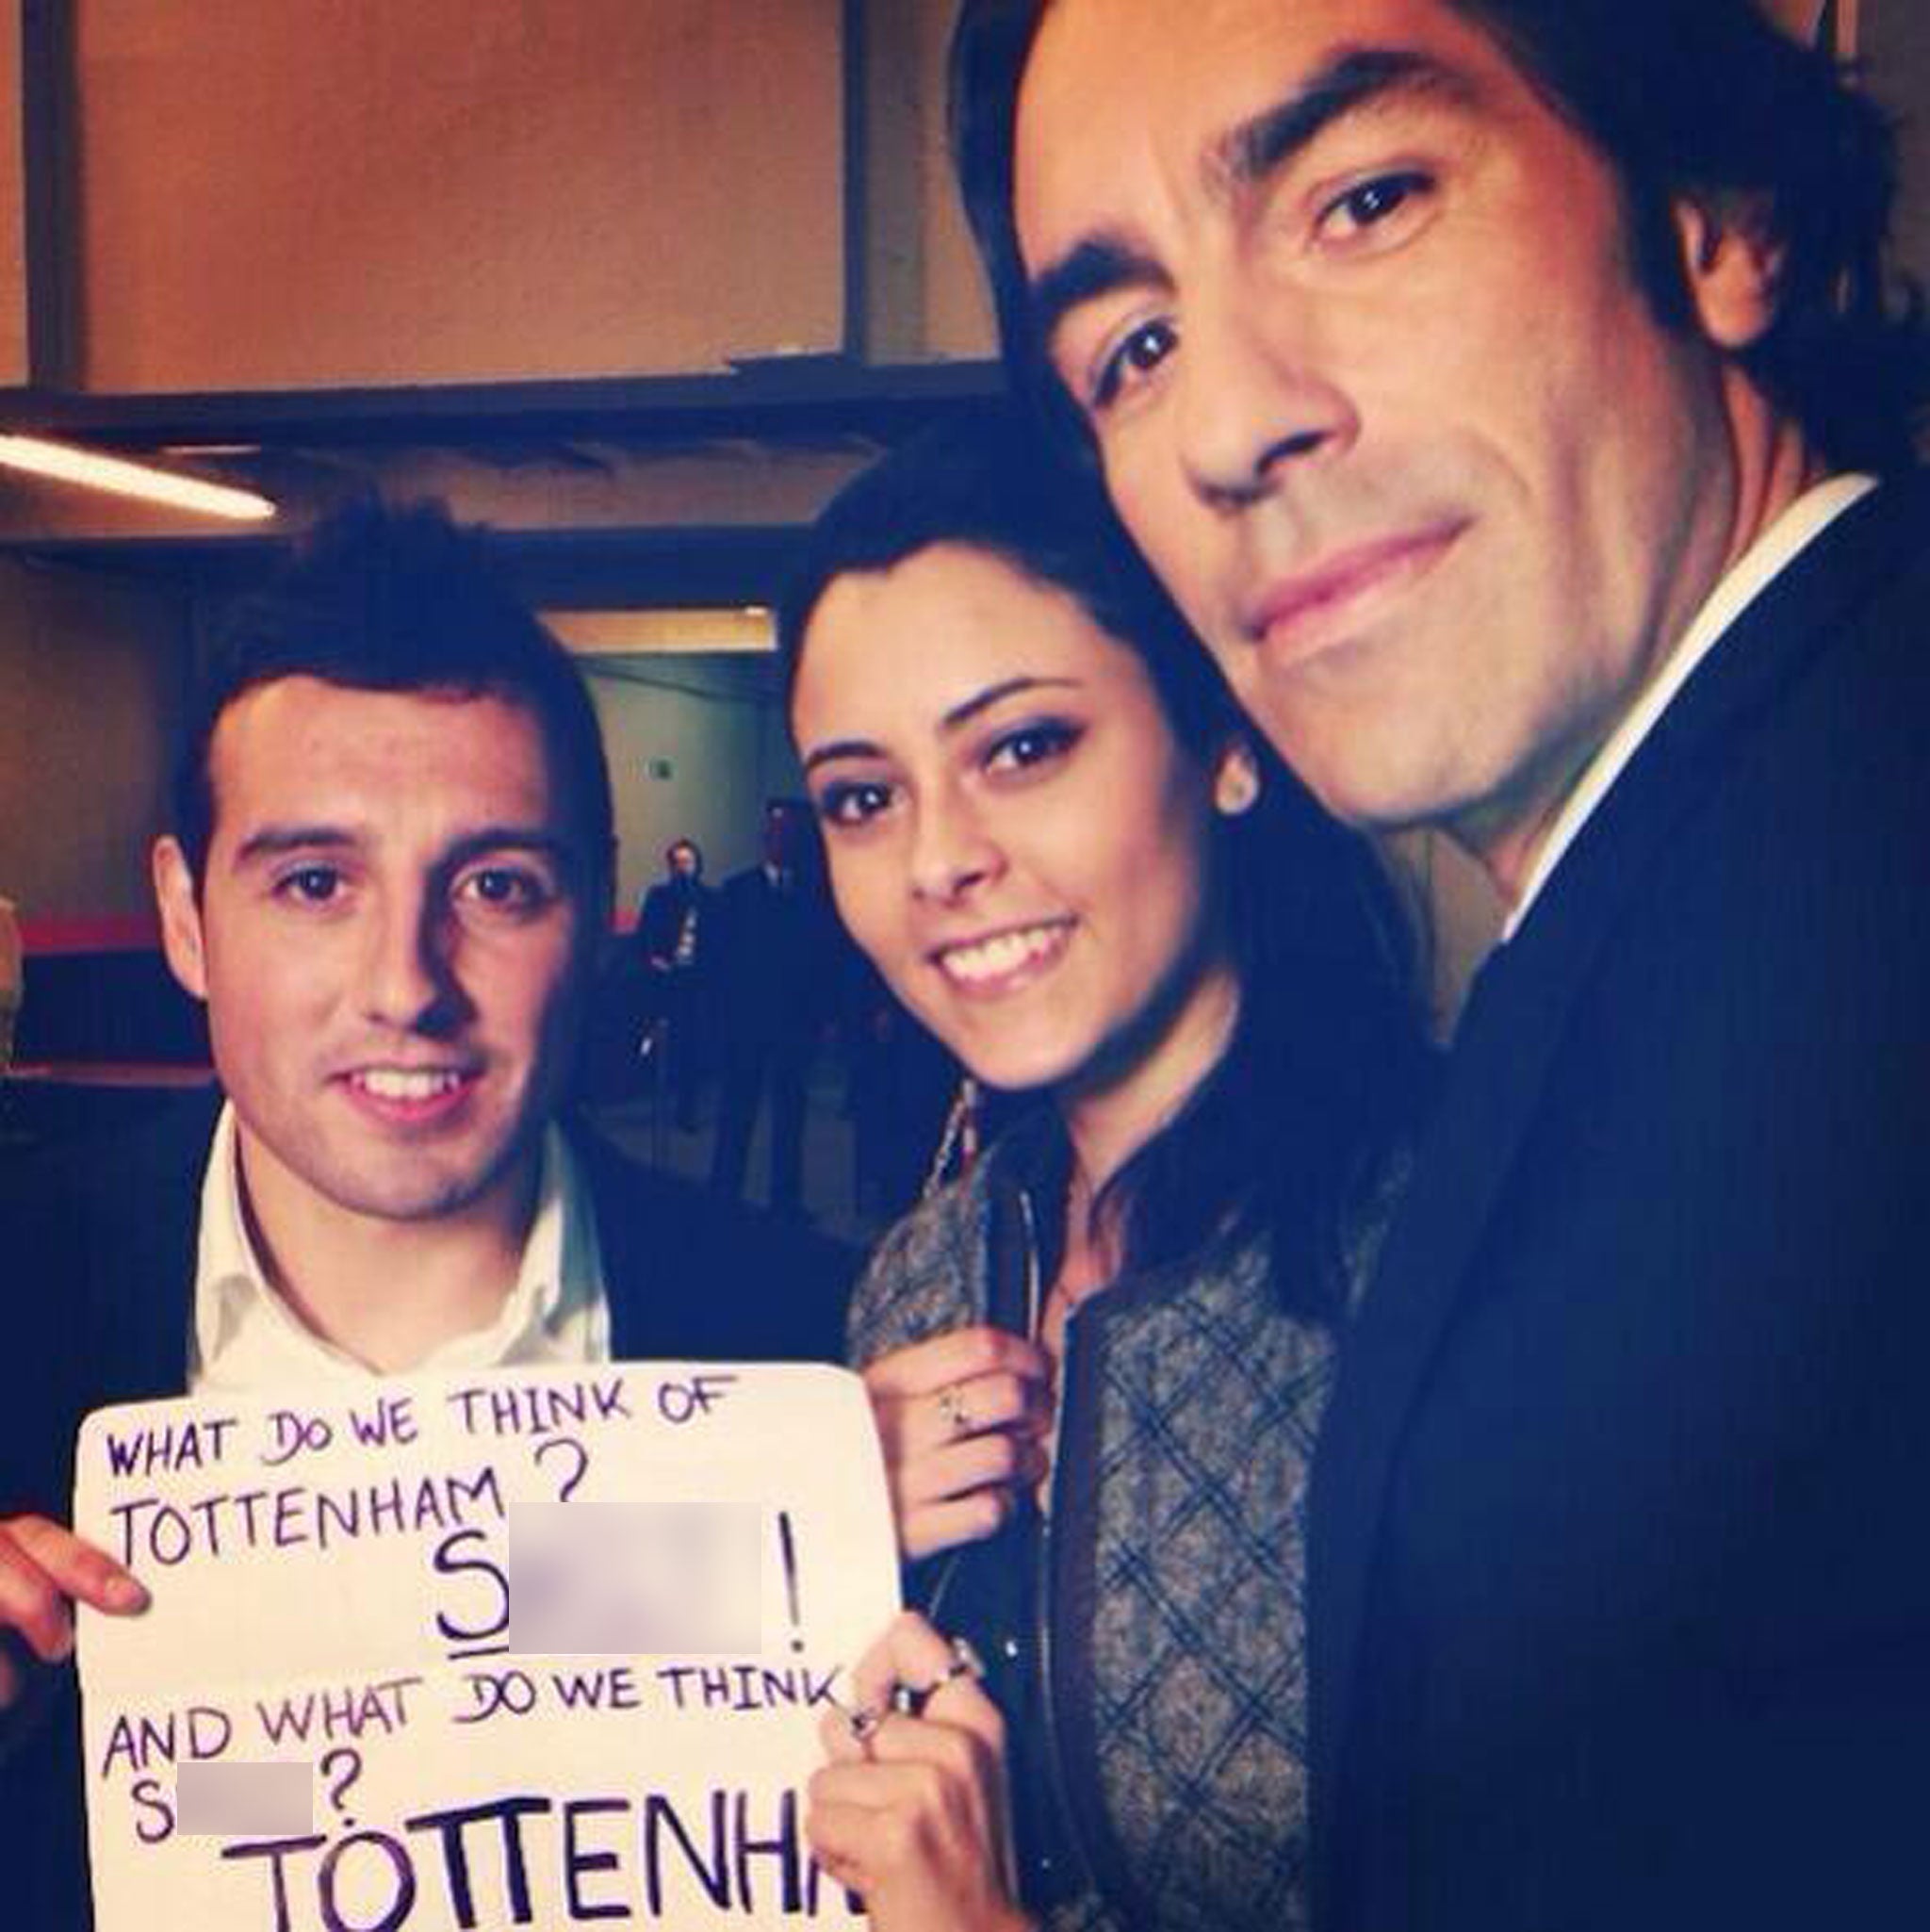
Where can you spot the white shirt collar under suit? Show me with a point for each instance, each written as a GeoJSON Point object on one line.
{"type": "Point", "coordinates": [1752, 573]}
{"type": "Point", "coordinates": [246, 1339]}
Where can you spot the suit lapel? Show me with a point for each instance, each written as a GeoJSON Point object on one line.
{"type": "Point", "coordinates": [1510, 1038]}
{"type": "Point", "coordinates": [146, 1279]}
{"type": "Point", "coordinates": [620, 1198]}
{"type": "Point", "coordinates": [1508, 1035]}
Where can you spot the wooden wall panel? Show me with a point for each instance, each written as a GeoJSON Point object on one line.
{"type": "Point", "coordinates": [926, 298]}
{"type": "Point", "coordinates": [292, 193]}
{"type": "Point", "coordinates": [14, 362]}
{"type": "Point", "coordinates": [93, 676]}
{"type": "Point", "coordinates": [1893, 44]}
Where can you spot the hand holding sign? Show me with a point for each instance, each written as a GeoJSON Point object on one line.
{"type": "Point", "coordinates": [522, 1648]}
{"type": "Point", "coordinates": [915, 1814]}
{"type": "Point", "coordinates": [44, 1568]}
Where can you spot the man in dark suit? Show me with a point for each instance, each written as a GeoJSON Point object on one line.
{"type": "Point", "coordinates": [388, 874]}
{"type": "Point", "coordinates": [1509, 391]}
{"type": "Point", "coordinates": [775, 961]}
{"type": "Point", "coordinates": [674, 939]}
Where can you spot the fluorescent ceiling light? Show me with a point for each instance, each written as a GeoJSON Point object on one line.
{"type": "Point", "coordinates": [120, 477]}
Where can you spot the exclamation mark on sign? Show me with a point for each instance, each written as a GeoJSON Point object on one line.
{"type": "Point", "coordinates": [787, 1549]}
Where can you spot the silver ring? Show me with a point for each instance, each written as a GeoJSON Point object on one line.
{"type": "Point", "coordinates": [965, 1662]}
{"type": "Point", "coordinates": [908, 1700]}
{"type": "Point", "coordinates": [951, 1401]}
{"type": "Point", "coordinates": [862, 1723]}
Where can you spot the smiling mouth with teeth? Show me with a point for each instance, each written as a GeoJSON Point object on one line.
{"type": "Point", "coordinates": [407, 1084]}
{"type": "Point", "coordinates": [984, 962]}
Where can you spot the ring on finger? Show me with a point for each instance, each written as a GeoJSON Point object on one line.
{"type": "Point", "coordinates": [862, 1722]}
{"type": "Point", "coordinates": [951, 1401]}
{"type": "Point", "coordinates": [964, 1662]}
{"type": "Point", "coordinates": [908, 1700]}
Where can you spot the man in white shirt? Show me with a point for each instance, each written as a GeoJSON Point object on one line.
{"type": "Point", "coordinates": [388, 878]}
{"type": "Point", "coordinates": [1498, 386]}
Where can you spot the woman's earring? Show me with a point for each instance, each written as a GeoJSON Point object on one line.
{"type": "Point", "coordinates": [1236, 786]}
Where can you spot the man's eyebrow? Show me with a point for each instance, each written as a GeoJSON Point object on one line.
{"type": "Point", "coordinates": [1350, 80]}
{"type": "Point", "coordinates": [276, 842]}
{"type": "Point", "coordinates": [960, 715]}
{"type": "Point", "coordinates": [1355, 78]}
{"type": "Point", "coordinates": [1091, 269]}
{"type": "Point", "coordinates": [534, 840]}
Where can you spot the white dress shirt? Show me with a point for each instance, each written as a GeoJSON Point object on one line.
{"type": "Point", "coordinates": [247, 1340]}
{"type": "Point", "coordinates": [1752, 573]}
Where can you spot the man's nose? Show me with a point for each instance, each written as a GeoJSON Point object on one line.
{"type": "Point", "coordinates": [1257, 404]}
{"type": "Point", "coordinates": [952, 852]}
{"type": "Point", "coordinates": [405, 966]}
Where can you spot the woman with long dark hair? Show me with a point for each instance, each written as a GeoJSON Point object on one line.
{"type": "Point", "coordinates": [1098, 1360]}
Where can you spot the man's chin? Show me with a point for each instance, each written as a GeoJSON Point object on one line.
{"type": "Point", "coordinates": [412, 1205]}
{"type": "Point", "coordinates": [1368, 772]}
{"type": "Point", "coordinates": [416, 1193]}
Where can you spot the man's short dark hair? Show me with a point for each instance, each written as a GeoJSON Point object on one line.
{"type": "Point", "coordinates": [1702, 98]}
{"type": "Point", "coordinates": [401, 600]}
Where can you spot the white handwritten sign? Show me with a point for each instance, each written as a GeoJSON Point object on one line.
{"type": "Point", "coordinates": [529, 1648]}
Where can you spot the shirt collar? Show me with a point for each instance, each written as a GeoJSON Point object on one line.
{"type": "Point", "coordinates": [245, 1334]}
{"type": "Point", "coordinates": [1752, 573]}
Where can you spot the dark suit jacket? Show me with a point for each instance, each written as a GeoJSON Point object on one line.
{"type": "Point", "coordinates": [660, 919]}
{"type": "Point", "coordinates": [97, 1255]}
{"type": "Point", "coordinates": [1620, 1556]}
{"type": "Point", "coordinates": [777, 962]}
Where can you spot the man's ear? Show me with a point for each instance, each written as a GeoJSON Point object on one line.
{"type": "Point", "coordinates": [181, 936]}
{"type": "Point", "coordinates": [1732, 261]}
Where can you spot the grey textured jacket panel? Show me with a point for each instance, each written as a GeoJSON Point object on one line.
{"type": "Point", "coordinates": [1191, 1403]}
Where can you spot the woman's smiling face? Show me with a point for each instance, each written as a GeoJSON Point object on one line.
{"type": "Point", "coordinates": [1016, 837]}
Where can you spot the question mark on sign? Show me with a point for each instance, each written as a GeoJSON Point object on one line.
{"type": "Point", "coordinates": [575, 1449]}
{"type": "Point", "coordinates": [352, 1769]}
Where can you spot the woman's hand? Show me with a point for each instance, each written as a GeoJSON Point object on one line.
{"type": "Point", "coordinates": [963, 1420]}
{"type": "Point", "coordinates": [912, 1810]}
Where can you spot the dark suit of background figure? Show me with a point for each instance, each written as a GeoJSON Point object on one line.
{"type": "Point", "coordinates": [902, 1085]}
{"type": "Point", "coordinates": [1620, 1566]}
{"type": "Point", "coordinates": [776, 963]}
{"type": "Point", "coordinates": [97, 1261]}
{"type": "Point", "coordinates": [675, 933]}
{"type": "Point", "coordinates": [780, 972]}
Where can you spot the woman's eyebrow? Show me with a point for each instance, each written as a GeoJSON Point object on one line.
{"type": "Point", "coordinates": [992, 694]}
{"type": "Point", "coordinates": [961, 714]}
{"type": "Point", "coordinates": [842, 748]}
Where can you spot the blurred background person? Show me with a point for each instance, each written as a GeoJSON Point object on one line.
{"type": "Point", "coordinates": [903, 1093]}
{"type": "Point", "coordinates": [776, 977]}
{"type": "Point", "coordinates": [673, 940]}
